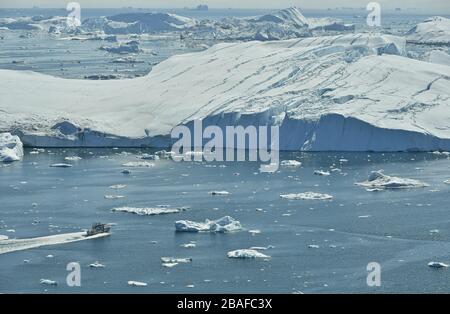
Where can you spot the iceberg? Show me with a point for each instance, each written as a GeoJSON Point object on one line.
{"type": "Point", "coordinates": [378, 180]}
{"type": "Point", "coordinates": [353, 92]}
{"type": "Point", "coordinates": [307, 196]}
{"type": "Point", "coordinates": [125, 48]}
{"type": "Point", "coordinates": [148, 211]}
{"type": "Point", "coordinates": [11, 148]}
{"type": "Point", "coordinates": [246, 254]}
{"type": "Point", "coordinates": [222, 225]}
{"type": "Point", "coordinates": [432, 31]}
{"type": "Point", "coordinates": [176, 260]}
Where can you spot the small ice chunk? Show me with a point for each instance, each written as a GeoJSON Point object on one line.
{"type": "Point", "coordinates": [220, 193]}
{"type": "Point", "coordinates": [313, 246]}
{"type": "Point", "coordinates": [149, 157]}
{"type": "Point", "coordinates": [321, 173]}
{"type": "Point", "coordinates": [149, 211]}
{"type": "Point", "coordinates": [96, 265]}
{"type": "Point", "coordinates": [381, 181]}
{"type": "Point", "coordinates": [177, 260]}
{"type": "Point", "coordinates": [447, 181]}
{"type": "Point", "coordinates": [137, 283]}
{"type": "Point", "coordinates": [48, 282]}
{"type": "Point", "coordinates": [139, 164]}
{"type": "Point", "coordinates": [118, 186]}
{"type": "Point", "coordinates": [73, 158]}
{"type": "Point", "coordinates": [222, 225]}
{"type": "Point", "coordinates": [188, 245]}
{"type": "Point", "coordinates": [437, 265]}
{"type": "Point", "coordinates": [290, 163]}
{"type": "Point", "coordinates": [61, 165]}
{"type": "Point", "coordinates": [246, 254]}
{"type": "Point", "coordinates": [307, 196]}
{"type": "Point", "coordinates": [126, 171]}
{"type": "Point", "coordinates": [169, 265]}
{"type": "Point", "coordinates": [114, 197]}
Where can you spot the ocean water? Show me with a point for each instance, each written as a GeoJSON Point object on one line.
{"type": "Point", "coordinates": [353, 229]}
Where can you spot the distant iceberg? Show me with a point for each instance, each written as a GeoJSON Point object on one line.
{"type": "Point", "coordinates": [306, 196]}
{"type": "Point", "coordinates": [11, 148]}
{"type": "Point", "coordinates": [148, 211]}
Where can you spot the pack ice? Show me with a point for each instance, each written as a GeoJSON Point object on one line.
{"type": "Point", "coordinates": [354, 92]}
{"type": "Point", "coordinates": [11, 148]}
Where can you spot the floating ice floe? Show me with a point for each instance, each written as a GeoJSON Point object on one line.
{"type": "Point", "coordinates": [48, 282]}
{"type": "Point", "coordinates": [149, 211]}
{"type": "Point", "coordinates": [307, 196]}
{"type": "Point", "coordinates": [61, 165]}
{"type": "Point", "coordinates": [114, 197]}
{"type": "Point", "coordinates": [129, 47]}
{"type": "Point", "coordinates": [437, 265]}
{"type": "Point", "coordinates": [321, 173]}
{"type": "Point", "coordinates": [96, 265]}
{"type": "Point", "coordinates": [139, 164]}
{"type": "Point", "coordinates": [11, 148]}
{"type": "Point", "coordinates": [222, 225]}
{"type": "Point", "coordinates": [177, 260]}
{"type": "Point", "coordinates": [188, 245]}
{"type": "Point", "coordinates": [118, 186]}
{"type": "Point", "coordinates": [290, 163]}
{"type": "Point", "coordinates": [246, 254]}
{"type": "Point", "coordinates": [432, 31]}
{"type": "Point", "coordinates": [3, 237]}
{"type": "Point", "coordinates": [149, 157]}
{"type": "Point", "coordinates": [73, 158]}
{"type": "Point", "coordinates": [447, 181]}
{"type": "Point", "coordinates": [378, 180]}
{"type": "Point", "coordinates": [137, 283]}
{"type": "Point", "coordinates": [220, 193]}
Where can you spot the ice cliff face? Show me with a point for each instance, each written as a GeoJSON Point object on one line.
{"type": "Point", "coordinates": [347, 92]}
{"type": "Point", "coordinates": [433, 31]}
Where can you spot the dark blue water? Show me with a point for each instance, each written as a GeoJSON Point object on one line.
{"type": "Point", "coordinates": [355, 228]}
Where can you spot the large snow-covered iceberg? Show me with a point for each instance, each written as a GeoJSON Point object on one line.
{"type": "Point", "coordinates": [432, 31]}
{"type": "Point", "coordinates": [11, 148]}
{"type": "Point", "coordinates": [354, 92]}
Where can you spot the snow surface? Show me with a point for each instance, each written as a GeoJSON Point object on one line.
{"type": "Point", "coordinates": [438, 56]}
{"type": "Point", "coordinates": [222, 225]}
{"type": "Point", "coordinates": [432, 31]}
{"type": "Point", "coordinates": [354, 92]}
{"type": "Point", "coordinates": [11, 148]}
{"type": "Point", "coordinates": [378, 180]}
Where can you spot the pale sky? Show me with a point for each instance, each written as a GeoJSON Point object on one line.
{"type": "Point", "coordinates": [440, 6]}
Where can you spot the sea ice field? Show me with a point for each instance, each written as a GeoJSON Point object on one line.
{"type": "Point", "coordinates": [315, 245]}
